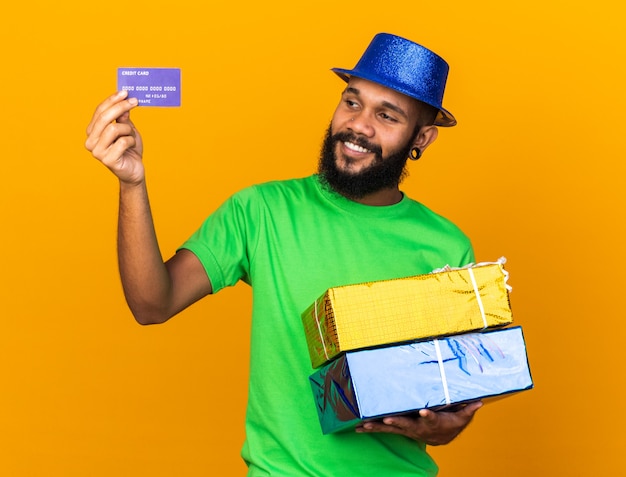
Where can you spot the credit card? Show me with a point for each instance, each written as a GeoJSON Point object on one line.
{"type": "Point", "coordinates": [151, 86]}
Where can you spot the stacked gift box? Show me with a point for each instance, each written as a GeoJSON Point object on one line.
{"type": "Point", "coordinates": [427, 341]}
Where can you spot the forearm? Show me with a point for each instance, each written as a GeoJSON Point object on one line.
{"type": "Point", "coordinates": [145, 279]}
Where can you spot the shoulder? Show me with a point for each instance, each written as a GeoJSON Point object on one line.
{"type": "Point", "coordinates": [428, 214]}
{"type": "Point", "coordinates": [437, 224]}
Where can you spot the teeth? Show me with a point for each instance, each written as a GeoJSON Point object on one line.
{"type": "Point", "coordinates": [355, 147]}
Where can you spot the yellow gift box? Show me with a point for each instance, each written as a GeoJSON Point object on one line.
{"type": "Point", "coordinates": [377, 313]}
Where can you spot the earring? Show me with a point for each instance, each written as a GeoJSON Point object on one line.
{"type": "Point", "coordinates": [415, 153]}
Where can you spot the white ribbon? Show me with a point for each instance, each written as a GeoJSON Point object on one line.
{"type": "Point", "coordinates": [319, 329]}
{"type": "Point", "coordinates": [478, 298]}
{"type": "Point", "coordinates": [442, 371]}
{"type": "Point", "coordinates": [501, 261]}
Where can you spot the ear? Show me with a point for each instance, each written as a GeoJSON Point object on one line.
{"type": "Point", "coordinates": [425, 137]}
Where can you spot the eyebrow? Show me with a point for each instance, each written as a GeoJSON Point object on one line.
{"type": "Point", "coordinates": [386, 104]}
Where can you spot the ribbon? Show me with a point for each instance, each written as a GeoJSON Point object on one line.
{"type": "Point", "coordinates": [319, 329]}
{"type": "Point", "coordinates": [442, 371]}
{"type": "Point", "coordinates": [478, 298]}
{"type": "Point", "coordinates": [501, 261]}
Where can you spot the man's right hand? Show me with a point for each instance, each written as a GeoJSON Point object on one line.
{"type": "Point", "coordinates": [113, 139]}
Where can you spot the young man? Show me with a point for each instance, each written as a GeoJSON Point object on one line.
{"type": "Point", "coordinates": [291, 240]}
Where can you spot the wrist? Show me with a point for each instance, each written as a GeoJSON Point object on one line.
{"type": "Point", "coordinates": [132, 185]}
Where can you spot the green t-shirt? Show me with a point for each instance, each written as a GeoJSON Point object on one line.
{"type": "Point", "coordinates": [291, 240]}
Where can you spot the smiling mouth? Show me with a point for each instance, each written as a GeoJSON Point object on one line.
{"type": "Point", "coordinates": [355, 147]}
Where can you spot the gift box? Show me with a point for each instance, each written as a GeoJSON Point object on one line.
{"type": "Point", "coordinates": [391, 311]}
{"type": "Point", "coordinates": [373, 383]}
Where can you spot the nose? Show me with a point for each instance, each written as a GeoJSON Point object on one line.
{"type": "Point", "coordinates": [361, 123]}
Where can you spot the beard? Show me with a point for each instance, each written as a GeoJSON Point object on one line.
{"type": "Point", "coordinates": [383, 173]}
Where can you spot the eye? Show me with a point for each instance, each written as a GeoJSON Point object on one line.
{"type": "Point", "coordinates": [388, 118]}
{"type": "Point", "coordinates": [351, 103]}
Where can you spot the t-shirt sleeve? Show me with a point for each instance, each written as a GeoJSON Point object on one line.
{"type": "Point", "coordinates": [468, 257]}
{"type": "Point", "coordinates": [224, 241]}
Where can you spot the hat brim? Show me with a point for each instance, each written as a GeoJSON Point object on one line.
{"type": "Point", "coordinates": [444, 117]}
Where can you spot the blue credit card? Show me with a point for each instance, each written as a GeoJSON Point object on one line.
{"type": "Point", "coordinates": [151, 86]}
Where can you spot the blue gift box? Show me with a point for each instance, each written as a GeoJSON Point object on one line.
{"type": "Point", "coordinates": [372, 383]}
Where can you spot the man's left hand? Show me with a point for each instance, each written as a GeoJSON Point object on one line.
{"type": "Point", "coordinates": [432, 427]}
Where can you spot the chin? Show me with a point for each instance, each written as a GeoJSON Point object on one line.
{"type": "Point", "coordinates": [351, 166]}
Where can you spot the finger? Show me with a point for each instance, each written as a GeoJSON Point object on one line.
{"type": "Point", "coordinates": [106, 117]}
{"type": "Point", "coordinates": [113, 134]}
{"type": "Point", "coordinates": [428, 415]}
{"type": "Point", "coordinates": [116, 130]}
{"type": "Point", "coordinates": [108, 134]}
{"type": "Point", "coordinates": [377, 427]}
{"type": "Point", "coordinates": [113, 155]}
{"type": "Point", "coordinates": [402, 422]}
{"type": "Point", "coordinates": [117, 149]}
{"type": "Point", "coordinates": [471, 408]}
{"type": "Point", "coordinates": [113, 131]}
{"type": "Point", "coordinates": [106, 104]}
{"type": "Point", "coordinates": [125, 119]}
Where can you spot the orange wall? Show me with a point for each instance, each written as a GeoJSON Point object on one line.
{"type": "Point", "coordinates": [534, 171]}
